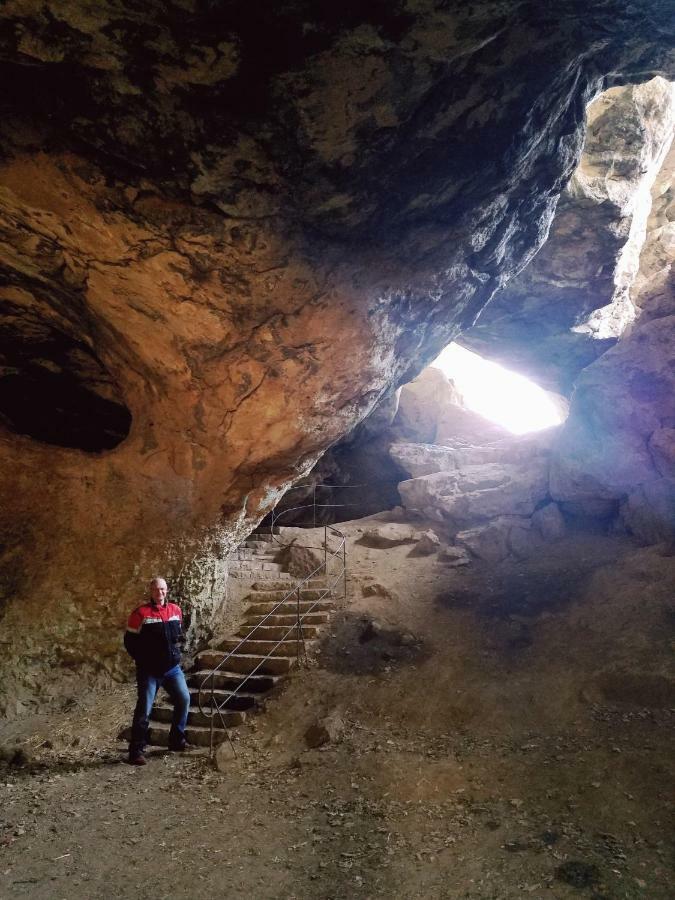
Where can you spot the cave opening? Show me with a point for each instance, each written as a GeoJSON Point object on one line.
{"type": "Point", "coordinates": [55, 389]}
{"type": "Point", "coordinates": [504, 397]}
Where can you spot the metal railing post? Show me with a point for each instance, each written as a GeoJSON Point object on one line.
{"type": "Point", "coordinates": [298, 626]}
{"type": "Point", "coordinates": [212, 721]}
{"type": "Point", "coordinates": [323, 593]}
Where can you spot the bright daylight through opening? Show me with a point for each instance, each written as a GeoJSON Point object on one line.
{"type": "Point", "coordinates": [510, 400]}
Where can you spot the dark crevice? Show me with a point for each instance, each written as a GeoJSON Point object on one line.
{"type": "Point", "coordinates": [54, 389]}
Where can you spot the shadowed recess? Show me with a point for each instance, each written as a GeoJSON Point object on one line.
{"type": "Point", "coordinates": [54, 389]}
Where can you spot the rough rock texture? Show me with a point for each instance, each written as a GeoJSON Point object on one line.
{"type": "Point", "coordinates": [233, 231]}
{"type": "Point", "coordinates": [653, 291]}
{"type": "Point", "coordinates": [617, 446]}
{"type": "Point", "coordinates": [617, 449]}
{"type": "Point", "coordinates": [478, 493]}
{"type": "Point", "coordinates": [574, 299]}
{"type": "Point", "coordinates": [422, 404]}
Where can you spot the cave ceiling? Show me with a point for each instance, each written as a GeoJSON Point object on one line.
{"type": "Point", "coordinates": [227, 231]}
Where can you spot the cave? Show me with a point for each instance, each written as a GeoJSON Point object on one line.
{"type": "Point", "coordinates": [234, 245]}
{"type": "Point", "coordinates": [54, 389]}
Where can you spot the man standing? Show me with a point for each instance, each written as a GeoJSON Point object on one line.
{"type": "Point", "coordinates": [152, 640]}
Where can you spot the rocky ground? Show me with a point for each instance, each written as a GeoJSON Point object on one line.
{"type": "Point", "coordinates": [499, 732]}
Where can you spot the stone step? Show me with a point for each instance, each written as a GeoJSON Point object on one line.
{"type": "Point", "coordinates": [257, 564]}
{"type": "Point", "coordinates": [253, 646]}
{"type": "Point", "coordinates": [262, 536]}
{"type": "Point", "coordinates": [280, 609]}
{"type": "Point", "coordinates": [241, 701]}
{"type": "Point", "coordinates": [251, 572]}
{"type": "Point", "coordinates": [242, 553]}
{"type": "Point", "coordinates": [281, 585]}
{"type": "Point", "coordinates": [232, 718]}
{"type": "Point", "coordinates": [313, 618]}
{"type": "Point", "coordinates": [272, 632]}
{"type": "Point", "coordinates": [260, 596]}
{"type": "Point", "coordinates": [261, 546]}
{"type": "Point", "coordinates": [230, 681]}
{"type": "Point", "coordinates": [158, 735]}
{"type": "Point", "coordinates": [247, 662]}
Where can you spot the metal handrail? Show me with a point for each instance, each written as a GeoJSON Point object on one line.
{"type": "Point", "coordinates": [216, 707]}
{"type": "Point", "coordinates": [314, 505]}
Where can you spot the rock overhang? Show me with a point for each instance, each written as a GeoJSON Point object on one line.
{"type": "Point", "coordinates": [265, 222]}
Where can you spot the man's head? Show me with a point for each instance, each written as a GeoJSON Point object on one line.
{"type": "Point", "coordinates": [158, 591]}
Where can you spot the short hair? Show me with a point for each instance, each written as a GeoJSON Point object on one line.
{"type": "Point", "coordinates": [157, 579]}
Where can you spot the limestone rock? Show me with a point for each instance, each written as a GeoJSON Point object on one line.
{"type": "Point", "coordinates": [549, 522]}
{"type": "Point", "coordinates": [427, 459]}
{"type": "Point", "coordinates": [376, 590]}
{"type": "Point", "coordinates": [616, 440]}
{"type": "Point", "coordinates": [391, 534]}
{"type": "Point", "coordinates": [477, 493]}
{"type": "Point", "coordinates": [326, 730]}
{"type": "Point", "coordinates": [574, 299]}
{"type": "Point", "coordinates": [428, 543]}
{"type": "Point", "coordinates": [662, 449]}
{"type": "Point", "coordinates": [421, 403]}
{"type": "Point", "coordinates": [218, 259]}
{"type": "Point", "coordinates": [502, 537]}
{"type": "Point", "coordinates": [301, 561]}
{"type": "Point", "coordinates": [649, 511]}
{"type": "Point", "coordinates": [454, 557]}
{"type": "Point", "coordinates": [423, 459]}
{"type": "Point", "coordinates": [487, 542]}
{"type": "Point", "coordinates": [653, 290]}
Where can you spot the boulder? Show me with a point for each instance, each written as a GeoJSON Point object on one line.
{"type": "Point", "coordinates": [427, 459]}
{"type": "Point", "coordinates": [487, 542]}
{"type": "Point", "coordinates": [504, 536]}
{"type": "Point", "coordinates": [454, 557]}
{"type": "Point", "coordinates": [428, 543]}
{"type": "Point", "coordinates": [377, 590]}
{"type": "Point", "coordinates": [648, 512]}
{"type": "Point", "coordinates": [326, 730]}
{"type": "Point", "coordinates": [392, 534]}
{"type": "Point", "coordinates": [301, 561]}
{"type": "Point", "coordinates": [423, 459]}
{"type": "Point", "coordinates": [549, 522]}
{"type": "Point", "coordinates": [477, 493]}
{"type": "Point", "coordinates": [421, 403]}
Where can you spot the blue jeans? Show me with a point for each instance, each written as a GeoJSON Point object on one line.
{"type": "Point", "coordinates": [174, 684]}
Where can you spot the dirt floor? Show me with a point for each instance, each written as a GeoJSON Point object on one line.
{"type": "Point", "coordinates": [506, 733]}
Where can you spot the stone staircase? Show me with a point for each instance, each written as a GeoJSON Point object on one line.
{"type": "Point", "coordinates": [258, 653]}
{"type": "Point", "coordinates": [257, 557]}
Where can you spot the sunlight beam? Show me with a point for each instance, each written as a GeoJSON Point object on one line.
{"type": "Point", "coordinates": [503, 397]}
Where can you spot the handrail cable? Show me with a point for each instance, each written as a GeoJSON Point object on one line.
{"type": "Point", "coordinates": [216, 707]}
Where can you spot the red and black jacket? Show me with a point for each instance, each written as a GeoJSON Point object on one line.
{"type": "Point", "coordinates": [153, 637]}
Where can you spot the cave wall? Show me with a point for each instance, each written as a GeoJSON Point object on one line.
{"type": "Point", "coordinates": [241, 228]}
{"type": "Point", "coordinates": [575, 299]}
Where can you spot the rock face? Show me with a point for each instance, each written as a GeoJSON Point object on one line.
{"type": "Point", "coordinates": [431, 411]}
{"type": "Point", "coordinates": [225, 234]}
{"type": "Point", "coordinates": [490, 497]}
{"type": "Point", "coordinates": [574, 299]}
{"type": "Point", "coordinates": [617, 446]}
{"type": "Point", "coordinates": [653, 291]}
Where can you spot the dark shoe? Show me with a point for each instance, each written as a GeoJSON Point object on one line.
{"type": "Point", "coordinates": [179, 748]}
{"type": "Point", "coordinates": [137, 759]}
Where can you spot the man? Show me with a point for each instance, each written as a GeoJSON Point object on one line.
{"type": "Point", "coordinates": [152, 640]}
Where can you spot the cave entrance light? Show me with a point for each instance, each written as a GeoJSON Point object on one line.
{"type": "Point", "coordinates": [503, 397]}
